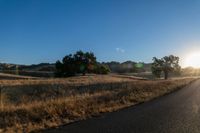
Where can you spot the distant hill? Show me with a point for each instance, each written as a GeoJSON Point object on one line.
{"type": "Point", "coordinates": [35, 67]}
{"type": "Point", "coordinates": [48, 69]}
{"type": "Point", "coordinates": [35, 70]}
{"type": "Point", "coordinates": [124, 67]}
{"type": "Point", "coordinates": [40, 67]}
{"type": "Point", "coordinates": [128, 67]}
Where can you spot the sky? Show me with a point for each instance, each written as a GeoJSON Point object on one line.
{"type": "Point", "coordinates": [35, 31]}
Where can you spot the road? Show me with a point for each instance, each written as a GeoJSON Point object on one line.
{"type": "Point", "coordinates": [178, 112]}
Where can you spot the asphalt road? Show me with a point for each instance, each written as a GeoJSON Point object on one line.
{"type": "Point", "coordinates": [178, 112]}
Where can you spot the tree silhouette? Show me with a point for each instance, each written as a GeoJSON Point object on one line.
{"type": "Point", "coordinates": [84, 62]}
{"type": "Point", "coordinates": [79, 63]}
{"type": "Point", "coordinates": [156, 67]}
{"type": "Point", "coordinates": [166, 65]}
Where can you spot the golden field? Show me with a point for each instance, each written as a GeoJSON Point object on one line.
{"type": "Point", "coordinates": [33, 104]}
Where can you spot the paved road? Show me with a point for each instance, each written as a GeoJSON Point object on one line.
{"type": "Point", "coordinates": [178, 112]}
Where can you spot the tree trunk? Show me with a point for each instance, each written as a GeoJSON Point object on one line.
{"type": "Point", "coordinates": [83, 73]}
{"type": "Point", "coordinates": [166, 74]}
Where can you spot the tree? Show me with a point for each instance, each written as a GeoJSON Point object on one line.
{"type": "Point", "coordinates": [166, 65]}
{"type": "Point", "coordinates": [84, 62]}
{"type": "Point", "coordinates": [59, 69]}
{"type": "Point", "coordinates": [69, 66]}
{"type": "Point", "coordinates": [156, 67]}
{"type": "Point", "coordinates": [80, 62]}
{"type": "Point", "coordinates": [102, 69]}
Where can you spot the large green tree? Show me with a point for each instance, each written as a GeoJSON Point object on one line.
{"type": "Point", "coordinates": [84, 62]}
{"type": "Point", "coordinates": [166, 65]}
{"type": "Point", "coordinates": [79, 63]}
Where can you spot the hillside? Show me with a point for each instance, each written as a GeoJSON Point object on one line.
{"type": "Point", "coordinates": [44, 68]}
{"type": "Point", "coordinates": [128, 66]}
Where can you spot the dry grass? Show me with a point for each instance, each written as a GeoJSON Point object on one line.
{"type": "Point", "coordinates": [79, 80]}
{"type": "Point", "coordinates": [38, 104]}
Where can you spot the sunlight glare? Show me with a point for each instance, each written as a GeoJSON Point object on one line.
{"type": "Point", "coordinates": [193, 60]}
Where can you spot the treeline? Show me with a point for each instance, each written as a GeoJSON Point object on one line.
{"type": "Point", "coordinates": [75, 64]}
{"type": "Point", "coordinates": [86, 62]}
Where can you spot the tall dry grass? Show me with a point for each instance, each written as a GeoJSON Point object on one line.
{"type": "Point", "coordinates": [40, 105]}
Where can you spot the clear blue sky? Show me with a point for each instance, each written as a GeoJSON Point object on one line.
{"type": "Point", "coordinates": [34, 31]}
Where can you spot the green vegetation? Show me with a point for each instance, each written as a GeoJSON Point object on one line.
{"type": "Point", "coordinates": [101, 69]}
{"type": "Point", "coordinates": [166, 65]}
{"type": "Point", "coordinates": [79, 63]}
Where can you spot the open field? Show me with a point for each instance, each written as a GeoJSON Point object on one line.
{"type": "Point", "coordinates": [43, 103]}
{"type": "Point", "coordinates": [5, 76]}
{"type": "Point", "coordinates": [30, 73]}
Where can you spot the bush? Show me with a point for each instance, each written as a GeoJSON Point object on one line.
{"type": "Point", "coordinates": [102, 69]}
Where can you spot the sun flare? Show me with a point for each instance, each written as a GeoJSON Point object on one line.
{"type": "Point", "coordinates": [193, 60]}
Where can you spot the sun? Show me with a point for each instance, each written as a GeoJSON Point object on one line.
{"type": "Point", "coordinates": [193, 60]}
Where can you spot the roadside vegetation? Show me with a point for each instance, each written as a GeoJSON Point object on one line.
{"type": "Point", "coordinates": [30, 105]}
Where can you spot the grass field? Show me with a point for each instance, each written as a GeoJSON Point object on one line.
{"type": "Point", "coordinates": [32, 104]}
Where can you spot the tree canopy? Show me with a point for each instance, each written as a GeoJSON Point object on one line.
{"type": "Point", "coordinates": [166, 65]}
{"type": "Point", "coordinates": [79, 63]}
